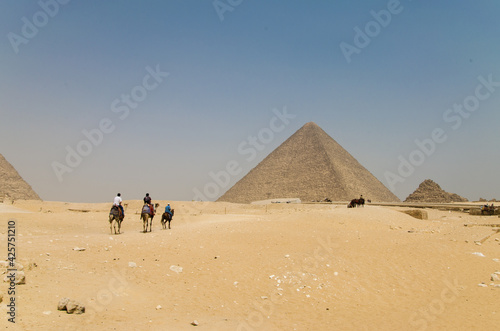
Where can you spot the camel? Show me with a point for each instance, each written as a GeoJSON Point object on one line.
{"type": "Point", "coordinates": [166, 218]}
{"type": "Point", "coordinates": [356, 203]}
{"type": "Point", "coordinates": [115, 219]}
{"type": "Point", "coordinates": [488, 210]}
{"type": "Point", "coordinates": [148, 214]}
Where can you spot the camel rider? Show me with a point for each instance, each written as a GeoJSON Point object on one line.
{"type": "Point", "coordinates": [147, 201]}
{"type": "Point", "coordinates": [118, 203]}
{"type": "Point", "coordinates": [168, 210]}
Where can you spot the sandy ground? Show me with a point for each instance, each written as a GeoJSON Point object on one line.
{"type": "Point", "coordinates": [253, 267]}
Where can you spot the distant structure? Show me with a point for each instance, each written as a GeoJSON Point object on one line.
{"type": "Point", "coordinates": [429, 191]}
{"type": "Point", "coordinates": [311, 166]}
{"type": "Point", "coordinates": [12, 185]}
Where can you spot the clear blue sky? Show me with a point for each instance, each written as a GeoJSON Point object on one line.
{"type": "Point", "coordinates": [68, 66]}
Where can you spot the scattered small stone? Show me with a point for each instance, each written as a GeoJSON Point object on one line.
{"type": "Point", "coordinates": [263, 297]}
{"type": "Point", "coordinates": [19, 279]}
{"type": "Point", "coordinates": [417, 213]}
{"type": "Point", "coordinates": [71, 306]}
{"type": "Point", "coordinates": [176, 268]}
{"type": "Point", "coordinates": [74, 307]}
{"type": "Point", "coordinates": [132, 264]}
{"type": "Point", "coordinates": [48, 312]}
{"type": "Point", "coordinates": [478, 254]}
{"type": "Point", "coordinates": [477, 243]}
{"type": "Point", "coordinates": [287, 256]}
{"type": "Point", "coordinates": [235, 283]}
{"type": "Point", "coordinates": [81, 249]}
{"type": "Point", "coordinates": [496, 260]}
{"type": "Point", "coordinates": [62, 304]}
{"type": "Point", "coordinates": [482, 285]}
{"type": "Point", "coordinates": [194, 323]}
{"type": "Point", "coordinates": [335, 273]}
{"type": "Point", "coordinates": [158, 307]}
{"type": "Point", "coordinates": [495, 277]}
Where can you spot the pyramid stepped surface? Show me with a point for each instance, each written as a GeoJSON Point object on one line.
{"type": "Point", "coordinates": [312, 166]}
{"type": "Point", "coordinates": [429, 191]}
{"type": "Point", "coordinates": [12, 185]}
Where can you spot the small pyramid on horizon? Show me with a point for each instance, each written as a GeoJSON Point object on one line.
{"type": "Point", "coordinates": [312, 166]}
{"type": "Point", "coordinates": [430, 191]}
{"type": "Point", "coordinates": [12, 185]}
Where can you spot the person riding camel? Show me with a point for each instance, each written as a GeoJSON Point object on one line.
{"type": "Point", "coordinates": [118, 203]}
{"type": "Point", "coordinates": [147, 201]}
{"type": "Point", "coordinates": [168, 210]}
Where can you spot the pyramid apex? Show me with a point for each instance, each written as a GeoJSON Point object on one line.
{"type": "Point", "coordinates": [311, 124]}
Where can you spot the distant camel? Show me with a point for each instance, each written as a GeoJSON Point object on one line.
{"type": "Point", "coordinates": [356, 203]}
{"type": "Point", "coordinates": [115, 215]}
{"type": "Point", "coordinates": [166, 217]}
{"type": "Point", "coordinates": [148, 214]}
{"type": "Point", "coordinates": [488, 210]}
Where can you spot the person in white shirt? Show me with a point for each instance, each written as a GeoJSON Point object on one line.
{"type": "Point", "coordinates": [118, 202]}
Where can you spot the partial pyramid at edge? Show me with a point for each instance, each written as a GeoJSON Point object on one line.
{"type": "Point", "coordinates": [12, 185]}
{"type": "Point", "coordinates": [312, 166]}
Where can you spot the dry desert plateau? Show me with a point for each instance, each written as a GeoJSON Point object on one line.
{"type": "Point", "coordinates": [226, 266]}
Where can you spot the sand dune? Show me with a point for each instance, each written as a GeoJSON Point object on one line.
{"type": "Point", "coordinates": [254, 267]}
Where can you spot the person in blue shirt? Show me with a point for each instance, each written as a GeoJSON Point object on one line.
{"type": "Point", "coordinates": [168, 210]}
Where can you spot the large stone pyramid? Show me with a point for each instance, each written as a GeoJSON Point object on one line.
{"type": "Point", "coordinates": [12, 185]}
{"type": "Point", "coordinates": [309, 165]}
{"type": "Point", "coordinates": [430, 191]}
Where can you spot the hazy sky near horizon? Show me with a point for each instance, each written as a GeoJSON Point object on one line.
{"type": "Point", "coordinates": [100, 97]}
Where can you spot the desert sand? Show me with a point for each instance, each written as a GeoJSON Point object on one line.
{"type": "Point", "coordinates": [253, 267]}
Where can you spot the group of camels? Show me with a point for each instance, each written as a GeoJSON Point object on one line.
{"type": "Point", "coordinates": [147, 214]}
